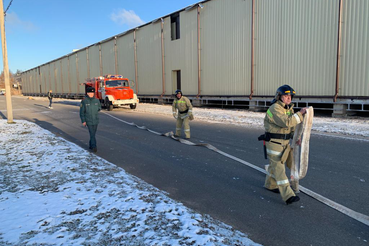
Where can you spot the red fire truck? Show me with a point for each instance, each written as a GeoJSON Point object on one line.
{"type": "Point", "coordinates": [113, 91]}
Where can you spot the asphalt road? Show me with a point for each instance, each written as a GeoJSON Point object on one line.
{"type": "Point", "coordinates": [216, 185]}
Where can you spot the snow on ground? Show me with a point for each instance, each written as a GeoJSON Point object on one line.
{"type": "Point", "coordinates": [52, 192]}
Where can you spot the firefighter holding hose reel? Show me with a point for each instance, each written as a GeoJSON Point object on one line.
{"type": "Point", "coordinates": [280, 122]}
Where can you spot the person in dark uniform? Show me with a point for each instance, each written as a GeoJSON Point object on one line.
{"type": "Point", "coordinates": [50, 97]}
{"type": "Point", "coordinates": [88, 112]}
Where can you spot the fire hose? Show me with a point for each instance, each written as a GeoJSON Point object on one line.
{"type": "Point", "coordinates": [347, 211]}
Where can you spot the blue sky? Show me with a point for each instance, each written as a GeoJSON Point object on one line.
{"type": "Point", "coordinates": [39, 31]}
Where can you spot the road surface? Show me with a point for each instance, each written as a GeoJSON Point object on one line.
{"type": "Point", "coordinates": [221, 187]}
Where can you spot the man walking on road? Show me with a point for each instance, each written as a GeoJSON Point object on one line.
{"type": "Point", "coordinates": [50, 97]}
{"type": "Point", "coordinates": [279, 122]}
{"type": "Point", "coordinates": [184, 107]}
{"type": "Point", "coordinates": [88, 112]}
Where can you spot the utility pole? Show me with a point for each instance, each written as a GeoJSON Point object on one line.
{"type": "Point", "coordinates": [8, 93]}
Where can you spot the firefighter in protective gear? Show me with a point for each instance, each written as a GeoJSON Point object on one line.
{"type": "Point", "coordinates": [184, 107]}
{"type": "Point", "coordinates": [279, 122]}
{"type": "Point", "coordinates": [50, 97]}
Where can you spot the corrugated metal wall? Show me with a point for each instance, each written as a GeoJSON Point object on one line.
{"type": "Point", "coordinates": [43, 79]}
{"type": "Point", "coordinates": [60, 76]}
{"type": "Point", "coordinates": [354, 72]}
{"type": "Point", "coordinates": [73, 73]}
{"type": "Point", "coordinates": [56, 78]}
{"type": "Point", "coordinates": [125, 56]}
{"type": "Point", "coordinates": [149, 67]}
{"type": "Point", "coordinates": [48, 78]}
{"type": "Point", "coordinates": [31, 82]}
{"type": "Point", "coordinates": [181, 54]}
{"type": "Point", "coordinates": [295, 42]}
{"type": "Point", "coordinates": [25, 83]}
{"type": "Point", "coordinates": [65, 75]}
{"type": "Point", "coordinates": [108, 57]}
{"type": "Point", "coordinates": [188, 52]}
{"type": "Point", "coordinates": [94, 60]}
{"type": "Point", "coordinates": [81, 58]}
{"type": "Point", "coordinates": [226, 47]}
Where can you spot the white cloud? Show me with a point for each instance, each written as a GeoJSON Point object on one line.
{"type": "Point", "coordinates": [126, 17]}
{"type": "Point", "coordinates": [12, 21]}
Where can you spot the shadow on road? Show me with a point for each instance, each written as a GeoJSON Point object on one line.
{"type": "Point", "coordinates": [3, 116]}
{"type": "Point", "coordinates": [74, 103]}
{"type": "Point", "coordinates": [77, 103]}
{"type": "Point", "coordinates": [41, 106]}
{"type": "Point", "coordinates": [58, 132]}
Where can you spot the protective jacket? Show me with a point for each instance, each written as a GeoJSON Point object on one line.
{"type": "Point", "coordinates": [281, 119]}
{"type": "Point", "coordinates": [49, 95]}
{"type": "Point", "coordinates": [89, 109]}
{"type": "Point", "coordinates": [183, 105]}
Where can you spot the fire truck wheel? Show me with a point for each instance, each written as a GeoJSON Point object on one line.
{"type": "Point", "coordinates": [133, 106]}
{"type": "Point", "coordinates": [108, 105]}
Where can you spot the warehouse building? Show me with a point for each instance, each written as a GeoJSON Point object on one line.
{"type": "Point", "coordinates": [231, 53]}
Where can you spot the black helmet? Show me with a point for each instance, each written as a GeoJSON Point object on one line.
{"type": "Point", "coordinates": [283, 90]}
{"type": "Point", "coordinates": [178, 91]}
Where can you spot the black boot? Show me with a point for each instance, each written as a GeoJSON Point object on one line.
{"type": "Point", "coordinates": [292, 199]}
{"type": "Point", "coordinates": [94, 150]}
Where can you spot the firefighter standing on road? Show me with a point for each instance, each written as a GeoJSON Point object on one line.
{"type": "Point", "coordinates": [50, 97]}
{"type": "Point", "coordinates": [279, 123]}
{"type": "Point", "coordinates": [88, 112]}
{"type": "Point", "coordinates": [184, 107]}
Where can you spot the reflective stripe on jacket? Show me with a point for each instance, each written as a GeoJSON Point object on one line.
{"type": "Point", "coordinates": [181, 105]}
{"type": "Point", "coordinates": [281, 119]}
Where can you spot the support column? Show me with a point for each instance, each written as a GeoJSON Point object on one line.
{"type": "Point", "coordinates": [196, 102]}
{"type": "Point", "coordinates": [253, 106]}
{"type": "Point", "coordinates": [339, 110]}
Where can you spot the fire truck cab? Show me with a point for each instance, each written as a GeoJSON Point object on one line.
{"type": "Point", "coordinates": [113, 91]}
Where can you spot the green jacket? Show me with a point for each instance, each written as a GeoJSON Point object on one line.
{"type": "Point", "coordinates": [50, 95]}
{"type": "Point", "coordinates": [281, 119]}
{"type": "Point", "coordinates": [182, 105]}
{"type": "Point", "coordinates": [89, 110]}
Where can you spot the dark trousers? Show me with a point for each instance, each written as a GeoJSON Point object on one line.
{"type": "Point", "coordinates": [50, 102]}
{"type": "Point", "coordinates": [92, 130]}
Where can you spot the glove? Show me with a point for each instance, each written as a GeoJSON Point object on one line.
{"type": "Point", "coordinates": [175, 115]}
{"type": "Point", "coordinates": [190, 115]}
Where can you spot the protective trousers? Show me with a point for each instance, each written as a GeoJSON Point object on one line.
{"type": "Point", "coordinates": [92, 130]}
{"type": "Point", "coordinates": [278, 155]}
{"type": "Point", "coordinates": [186, 122]}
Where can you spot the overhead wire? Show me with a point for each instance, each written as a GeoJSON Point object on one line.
{"type": "Point", "coordinates": [8, 7]}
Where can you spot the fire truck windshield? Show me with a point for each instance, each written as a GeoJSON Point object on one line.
{"type": "Point", "coordinates": [116, 83]}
